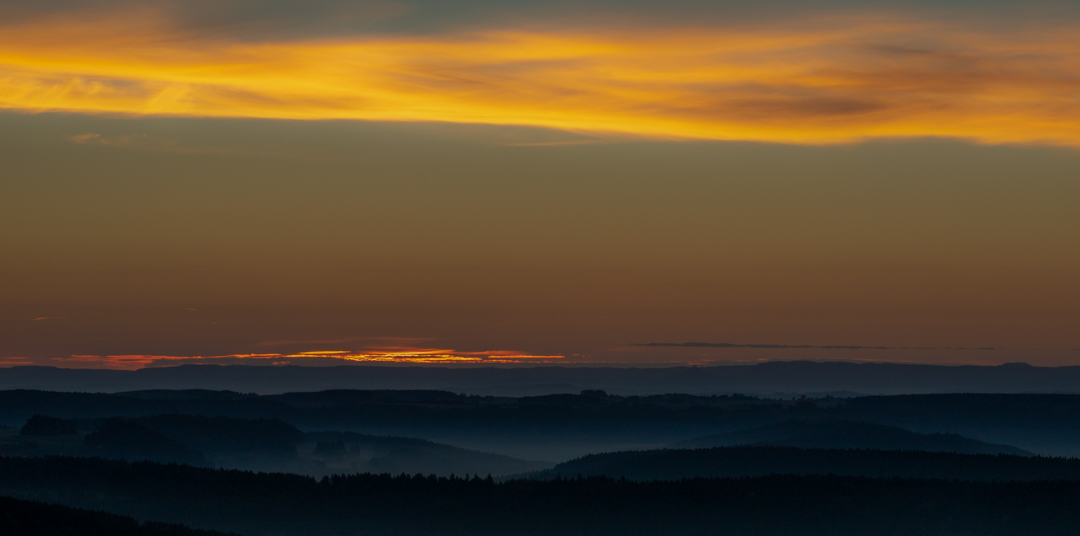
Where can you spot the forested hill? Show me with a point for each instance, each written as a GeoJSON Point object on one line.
{"type": "Point", "coordinates": [833, 434]}
{"type": "Point", "coordinates": [33, 518]}
{"type": "Point", "coordinates": [737, 462]}
{"type": "Point", "coordinates": [258, 444]}
{"type": "Point", "coordinates": [289, 505]}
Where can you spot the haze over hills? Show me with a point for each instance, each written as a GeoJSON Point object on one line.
{"type": "Point", "coordinates": [330, 462]}
{"type": "Point", "coordinates": [793, 377]}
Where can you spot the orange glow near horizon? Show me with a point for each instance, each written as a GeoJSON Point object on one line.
{"type": "Point", "coordinates": [381, 355]}
{"type": "Point", "coordinates": [834, 80]}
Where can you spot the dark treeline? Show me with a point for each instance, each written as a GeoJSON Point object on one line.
{"type": "Point", "coordinates": [731, 462]}
{"type": "Point", "coordinates": [257, 503]}
{"type": "Point", "coordinates": [34, 518]}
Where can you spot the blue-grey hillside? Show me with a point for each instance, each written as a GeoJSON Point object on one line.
{"type": "Point", "coordinates": [741, 462]}
{"type": "Point", "coordinates": [833, 434]}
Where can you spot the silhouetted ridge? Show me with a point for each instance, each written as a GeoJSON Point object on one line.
{"type": "Point", "coordinates": [349, 397]}
{"type": "Point", "coordinates": [186, 394]}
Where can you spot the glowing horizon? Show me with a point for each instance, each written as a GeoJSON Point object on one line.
{"type": "Point", "coordinates": [835, 79]}
{"type": "Point", "coordinates": [415, 181]}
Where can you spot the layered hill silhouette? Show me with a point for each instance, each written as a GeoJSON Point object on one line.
{"type": "Point", "coordinates": [832, 434]}
{"type": "Point", "coordinates": [741, 462]}
{"type": "Point", "coordinates": [560, 427]}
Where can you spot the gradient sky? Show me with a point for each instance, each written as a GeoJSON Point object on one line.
{"type": "Point", "coordinates": [520, 181]}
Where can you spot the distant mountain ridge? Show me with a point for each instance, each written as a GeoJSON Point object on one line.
{"type": "Point", "coordinates": [762, 379]}
{"type": "Point", "coordinates": [833, 434]}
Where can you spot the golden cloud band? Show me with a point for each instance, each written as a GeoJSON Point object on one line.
{"type": "Point", "coordinates": [413, 356]}
{"type": "Point", "coordinates": [833, 80]}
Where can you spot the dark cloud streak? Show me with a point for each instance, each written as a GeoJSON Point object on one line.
{"type": "Point", "coordinates": [793, 346]}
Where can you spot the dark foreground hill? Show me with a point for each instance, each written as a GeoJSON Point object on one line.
{"type": "Point", "coordinates": [33, 518]}
{"type": "Point", "coordinates": [832, 434]}
{"type": "Point", "coordinates": [738, 462]}
{"type": "Point", "coordinates": [286, 505]}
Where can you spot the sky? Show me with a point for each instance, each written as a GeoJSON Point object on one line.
{"type": "Point", "coordinates": [523, 182]}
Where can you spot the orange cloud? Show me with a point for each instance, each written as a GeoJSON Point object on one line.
{"type": "Point", "coordinates": [381, 355]}
{"type": "Point", "coordinates": [17, 361]}
{"type": "Point", "coordinates": [836, 79]}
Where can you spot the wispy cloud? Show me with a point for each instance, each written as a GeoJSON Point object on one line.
{"type": "Point", "coordinates": [795, 346]}
{"type": "Point", "coordinates": [831, 79]}
{"type": "Point", "coordinates": [93, 138]}
{"type": "Point", "coordinates": [556, 143]}
{"type": "Point", "coordinates": [397, 342]}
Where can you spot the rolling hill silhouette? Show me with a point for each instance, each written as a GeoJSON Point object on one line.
{"type": "Point", "coordinates": [833, 434]}
{"type": "Point", "coordinates": [741, 462]}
